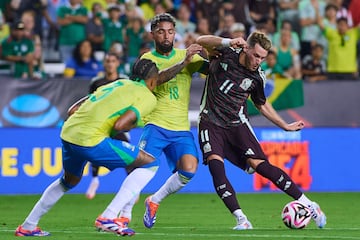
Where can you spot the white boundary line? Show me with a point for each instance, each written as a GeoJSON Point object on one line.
{"type": "Point", "coordinates": [225, 235]}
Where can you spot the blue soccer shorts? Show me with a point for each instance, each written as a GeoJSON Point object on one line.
{"type": "Point", "coordinates": [174, 144]}
{"type": "Point", "coordinates": [109, 153]}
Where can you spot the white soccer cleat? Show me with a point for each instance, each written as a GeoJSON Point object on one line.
{"type": "Point", "coordinates": [243, 224]}
{"type": "Point", "coordinates": [317, 215]}
{"type": "Point", "coordinates": [94, 185]}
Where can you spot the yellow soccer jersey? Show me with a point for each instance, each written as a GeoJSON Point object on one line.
{"type": "Point", "coordinates": [95, 118]}
{"type": "Point", "coordinates": [173, 97]}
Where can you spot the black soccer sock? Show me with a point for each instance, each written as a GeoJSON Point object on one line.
{"type": "Point", "coordinates": [94, 170]}
{"type": "Point", "coordinates": [222, 185]}
{"type": "Point", "coordinates": [279, 178]}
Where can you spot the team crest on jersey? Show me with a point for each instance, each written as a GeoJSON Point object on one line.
{"type": "Point", "coordinates": [246, 83]}
{"type": "Point", "coordinates": [142, 144]}
{"type": "Point", "coordinates": [224, 66]}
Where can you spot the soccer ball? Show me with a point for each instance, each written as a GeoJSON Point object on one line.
{"type": "Point", "coordinates": [296, 215]}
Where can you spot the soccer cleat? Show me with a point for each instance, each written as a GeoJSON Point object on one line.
{"type": "Point", "coordinates": [116, 225]}
{"type": "Point", "coordinates": [37, 232]}
{"type": "Point", "coordinates": [94, 185]}
{"type": "Point", "coordinates": [318, 215]}
{"type": "Point", "coordinates": [243, 224]}
{"type": "Point", "coordinates": [150, 212]}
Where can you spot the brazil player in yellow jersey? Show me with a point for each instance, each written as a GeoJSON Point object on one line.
{"type": "Point", "coordinates": [167, 128]}
{"type": "Point", "coordinates": [86, 137]}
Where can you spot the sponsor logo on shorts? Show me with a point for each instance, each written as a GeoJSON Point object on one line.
{"type": "Point", "coordinates": [249, 152]}
{"type": "Point", "coordinates": [129, 146]}
{"type": "Point", "coordinates": [207, 148]}
{"type": "Point", "coordinates": [142, 144]}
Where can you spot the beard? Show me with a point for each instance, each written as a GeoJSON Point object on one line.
{"type": "Point", "coordinates": [164, 48]}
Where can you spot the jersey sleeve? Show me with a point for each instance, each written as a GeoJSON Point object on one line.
{"type": "Point", "coordinates": [197, 64]}
{"type": "Point", "coordinates": [143, 105]}
{"type": "Point", "coordinates": [258, 94]}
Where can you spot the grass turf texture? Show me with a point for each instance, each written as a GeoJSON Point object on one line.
{"type": "Point", "coordinates": [187, 216]}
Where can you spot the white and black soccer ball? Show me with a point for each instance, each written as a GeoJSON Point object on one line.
{"type": "Point", "coordinates": [296, 215]}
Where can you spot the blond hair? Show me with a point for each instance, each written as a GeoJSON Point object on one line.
{"type": "Point", "coordinates": [259, 38]}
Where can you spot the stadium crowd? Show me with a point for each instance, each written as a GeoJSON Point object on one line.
{"type": "Point", "coordinates": [313, 39]}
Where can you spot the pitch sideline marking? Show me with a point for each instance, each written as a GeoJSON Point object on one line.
{"type": "Point", "coordinates": [212, 235]}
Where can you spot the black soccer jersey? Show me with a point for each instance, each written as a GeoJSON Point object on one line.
{"type": "Point", "coordinates": [227, 88]}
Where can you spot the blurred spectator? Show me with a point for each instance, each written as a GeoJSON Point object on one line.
{"type": "Point", "coordinates": [133, 10]}
{"type": "Point", "coordinates": [238, 30]}
{"type": "Point", "coordinates": [4, 28]}
{"type": "Point", "coordinates": [270, 66]}
{"type": "Point", "coordinates": [134, 38]}
{"type": "Point", "coordinates": [71, 19]}
{"type": "Point", "coordinates": [287, 57]}
{"type": "Point", "coordinates": [240, 10]}
{"type": "Point", "coordinates": [118, 49]}
{"type": "Point", "coordinates": [39, 7]}
{"type": "Point", "coordinates": [28, 18]}
{"type": "Point", "coordinates": [113, 28]}
{"type": "Point", "coordinates": [210, 10]}
{"type": "Point", "coordinates": [265, 26]}
{"type": "Point", "coordinates": [183, 23]}
{"type": "Point", "coordinates": [310, 11]}
{"type": "Point", "coordinates": [342, 55]}
{"type": "Point", "coordinates": [202, 27]}
{"type": "Point", "coordinates": [83, 63]}
{"type": "Point", "coordinates": [288, 11]}
{"type": "Point", "coordinates": [148, 7]}
{"type": "Point", "coordinates": [342, 11]}
{"type": "Point", "coordinates": [225, 24]}
{"type": "Point", "coordinates": [313, 66]}
{"type": "Point", "coordinates": [295, 40]}
{"type": "Point", "coordinates": [19, 50]}
{"type": "Point", "coordinates": [51, 32]}
{"type": "Point", "coordinates": [95, 29]}
{"type": "Point", "coordinates": [330, 16]}
{"type": "Point", "coordinates": [89, 4]}
{"type": "Point", "coordinates": [262, 11]}
{"type": "Point", "coordinates": [5, 7]}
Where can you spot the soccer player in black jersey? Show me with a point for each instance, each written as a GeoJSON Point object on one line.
{"type": "Point", "coordinates": [111, 64]}
{"type": "Point", "coordinates": [224, 128]}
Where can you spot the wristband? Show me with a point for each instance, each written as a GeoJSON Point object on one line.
{"type": "Point", "coordinates": [225, 42]}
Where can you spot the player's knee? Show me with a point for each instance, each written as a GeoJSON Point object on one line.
{"type": "Point", "coordinates": [153, 165]}
{"type": "Point", "coordinates": [66, 185]}
{"type": "Point", "coordinates": [185, 177]}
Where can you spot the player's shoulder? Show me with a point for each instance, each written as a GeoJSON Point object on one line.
{"type": "Point", "coordinates": [97, 79]}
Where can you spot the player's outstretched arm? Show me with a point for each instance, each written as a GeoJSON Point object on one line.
{"type": "Point", "coordinates": [270, 113]}
{"type": "Point", "coordinates": [210, 42]}
{"type": "Point", "coordinates": [169, 73]}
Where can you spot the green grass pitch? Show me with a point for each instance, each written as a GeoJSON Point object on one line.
{"type": "Point", "coordinates": [188, 216]}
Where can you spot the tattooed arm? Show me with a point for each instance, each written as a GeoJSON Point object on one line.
{"type": "Point", "coordinates": [169, 73]}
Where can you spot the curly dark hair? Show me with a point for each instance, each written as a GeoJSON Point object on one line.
{"type": "Point", "coordinates": [143, 69]}
{"type": "Point", "coordinates": [162, 17]}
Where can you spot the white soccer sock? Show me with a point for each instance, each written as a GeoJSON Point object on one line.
{"type": "Point", "coordinates": [305, 200]}
{"type": "Point", "coordinates": [131, 187]}
{"type": "Point", "coordinates": [238, 214]}
{"type": "Point", "coordinates": [127, 209]}
{"type": "Point", "coordinates": [172, 185]}
{"type": "Point", "coordinates": [48, 199]}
